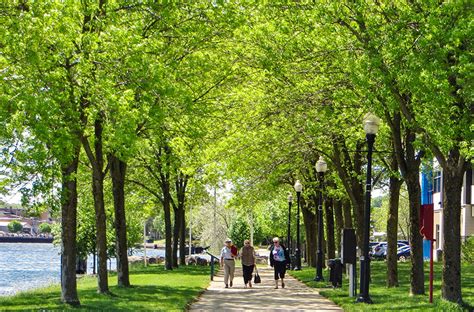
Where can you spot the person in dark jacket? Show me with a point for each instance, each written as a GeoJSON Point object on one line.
{"type": "Point", "coordinates": [279, 257]}
{"type": "Point", "coordinates": [247, 255]}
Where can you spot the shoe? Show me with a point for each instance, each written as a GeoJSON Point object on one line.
{"type": "Point", "coordinates": [276, 287]}
{"type": "Point", "coordinates": [282, 285]}
{"type": "Point", "coordinates": [245, 286]}
{"type": "Point", "coordinates": [230, 283]}
{"type": "Point", "coordinates": [250, 284]}
{"type": "Point", "coordinates": [226, 286]}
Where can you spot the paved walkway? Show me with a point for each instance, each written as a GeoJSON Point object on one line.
{"type": "Point", "coordinates": [296, 296]}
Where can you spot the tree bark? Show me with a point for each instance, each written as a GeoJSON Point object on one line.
{"type": "Point", "coordinates": [392, 225]}
{"type": "Point", "coordinates": [339, 223]}
{"type": "Point", "coordinates": [453, 172]}
{"type": "Point", "coordinates": [309, 221]}
{"type": "Point", "coordinates": [181, 184]}
{"type": "Point", "coordinates": [182, 238]}
{"type": "Point", "coordinates": [117, 172]}
{"type": "Point", "coordinates": [346, 209]}
{"type": "Point", "coordinates": [96, 158]}
{"type": "Point", "coordinates": [168, 229]}
{"type": "Point", "coordinates": [409, 164]}
{"type": "Point", "coordinates": [69, 231]}
{"type": "Point", "coordinates": [331, 248]}
{"type": "Point", "coordinates": [176, 231]}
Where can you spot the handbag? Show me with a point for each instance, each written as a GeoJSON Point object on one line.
{"type": "Point", "coordinates": [257, 279]}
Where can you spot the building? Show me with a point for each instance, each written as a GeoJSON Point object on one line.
{"type": "Point", "coordinates": [30, 224]}
{"type": "Point", "coordinates": [432, 192]}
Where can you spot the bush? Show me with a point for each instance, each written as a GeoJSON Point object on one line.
{"type": "Point", "coordinates": [15, 226]}
{"type": "Point", "coordinates": [467, 250]}
{"type": "Point", "coordinates": [44, 228]}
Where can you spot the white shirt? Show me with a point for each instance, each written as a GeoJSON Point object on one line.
{"type": "Point", "coordinates": [225, 253]}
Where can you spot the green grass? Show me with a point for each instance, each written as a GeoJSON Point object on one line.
{"type": "Point", "coordinates": [386, 299]}
{"type": "Point", "coordinates": [153, 288]}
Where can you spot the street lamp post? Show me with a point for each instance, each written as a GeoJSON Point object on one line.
{"type": "Point", "coordinates": [298, 189]}
{"type": "Point", "coordinates": [321, 168]}
{"type": "Point", "coordinates": [371, 126]}
{"type": "Point", "coordinates": [288, 234]}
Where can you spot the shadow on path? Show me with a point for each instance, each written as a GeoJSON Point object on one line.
{"type": "Point", "coordinates": [262, 297]}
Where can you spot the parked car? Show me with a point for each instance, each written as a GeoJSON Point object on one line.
{"type": "Point", "coordinates": [403, 253]}
{"type": "Point", "coordinates": [380, 250]}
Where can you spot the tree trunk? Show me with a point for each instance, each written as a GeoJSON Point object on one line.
{"type": "Point", "coordinates": [453, 172]}
{"type": "Point", "coordinates": [339, 223]}
{"type": "Point", "coordinates": [117, 172]}
{"type": "Point", "coordinates": [182, 238]}
{"type": "Point", "coordinates": [392, 228]}
{"type": "Point", "coordinates": [346, 209]}
{"type": "Point", "coordinates": [309, 220]}
{"type": "Point", "coordinates": [97, 162]}
{"type": "Point", "coordinates": [331, 248]}
{"type": "Point", "coordinates": [409, 164]}
{"type": "Point", "coordinates": [181, 184]}
{"type": "Point", "coordinates": [176, 231]}
{"type": "Point", "coordinates": [416, 240]}
{"type": "Point", "coordinates": [68, 232]}
{"type": "Point", "coordinates": [168, 230]}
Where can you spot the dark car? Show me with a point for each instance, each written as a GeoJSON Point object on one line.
{"type": "Point", "coordinates": [403, 253]}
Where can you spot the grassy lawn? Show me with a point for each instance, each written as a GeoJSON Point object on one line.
{"type": "Point", "coordinates": [154, 288]}
{"type": "Point", "coordinates": [394, 298]}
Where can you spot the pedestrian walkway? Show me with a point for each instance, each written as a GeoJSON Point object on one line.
{"type": "Point", "coordinates": [296, 296]}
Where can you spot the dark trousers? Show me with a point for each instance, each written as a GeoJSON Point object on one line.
{"type": "Point", "coordinates": [280, 269]}
{"type": "Point", "coordinates": [248, 270]}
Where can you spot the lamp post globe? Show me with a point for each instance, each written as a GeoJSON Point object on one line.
{"type": "Point", "coordinates": [298, 188]}
{"type": "Point", "coordinates": [288, 234]}
{"type": "Point", "coordinates": [321, 168]}
{"type": "Point", "coordinates": [371, 126]}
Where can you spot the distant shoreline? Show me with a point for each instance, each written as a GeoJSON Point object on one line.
{"type": "Point", "coordinates": [21, 239]}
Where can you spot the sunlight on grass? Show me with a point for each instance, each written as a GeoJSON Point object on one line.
{"type": "Point", "coordinates": [153, 288]}
{"type": "Point", "coordinates": [393, 298]}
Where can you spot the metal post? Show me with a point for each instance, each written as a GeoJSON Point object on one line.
{"type": "Point", "coordinates": [297, 248]}
{"type": "Point", "coordinates": [319, 254]}
{"type": "Point", "coordinates": [364, 259]}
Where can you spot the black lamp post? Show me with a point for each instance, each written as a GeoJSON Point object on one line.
{"type": "Point", "coordinates": [298, 189]}
{"type": "Point", "coordinates": [321, 168]}
{"type": "Point", "coordinates": [371, 126]}
{"type": "Point", "coordinates": [288, 234]}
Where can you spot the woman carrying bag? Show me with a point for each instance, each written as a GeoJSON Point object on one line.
{"type": "Point", "coordinates": [247, 255]}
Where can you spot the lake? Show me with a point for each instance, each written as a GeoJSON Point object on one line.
{"type": "Point", "coordinates": [26, 266]}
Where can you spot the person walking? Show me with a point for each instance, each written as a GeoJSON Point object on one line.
{"type": "Point", "coordinates": [228, 255]}
{"type": "Point", "coordinates": [247, 256]}
{"type": "Point", "coordinates": [279, 257]}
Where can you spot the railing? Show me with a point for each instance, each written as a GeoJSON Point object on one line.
{"type": "Point", "coordinates": [212, 264]}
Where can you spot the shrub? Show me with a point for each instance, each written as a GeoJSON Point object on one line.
{"type": "Point", "coordinates": [15, 226]}
{"type": "Point", "coordinates": [44, 228]}
{"type": "Point", "coordinates": [467, 250]}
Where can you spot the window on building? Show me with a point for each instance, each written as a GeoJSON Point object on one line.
{"type": "Point", "coordinates": [438, 243]}
{"type": "Point", "coordinates": [437, 182]}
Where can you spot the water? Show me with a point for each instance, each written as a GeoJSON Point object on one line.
{"type": "Point", "coordinates": [26, 266]}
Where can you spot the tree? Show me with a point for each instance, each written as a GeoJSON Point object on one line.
{"type": "Point", "coordinates": [15, 226]}
{"type": "Point", "coordinates": [44, 228]}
